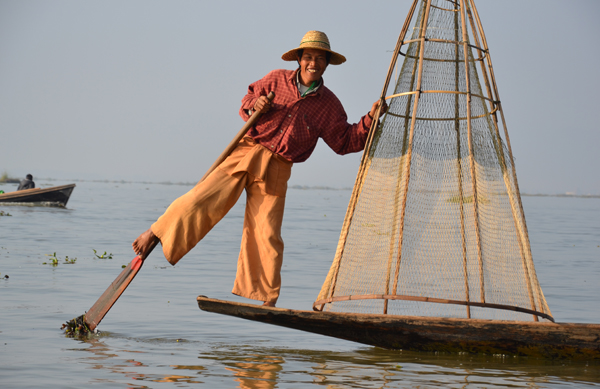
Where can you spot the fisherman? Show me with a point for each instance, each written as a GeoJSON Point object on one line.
{"type": "Point", "coordinates": [303, 111]}
{"type": "Point", "coordinates": [27, 183]}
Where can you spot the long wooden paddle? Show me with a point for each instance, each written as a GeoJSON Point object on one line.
{"type": "Point", "coordinates": [90, 320]}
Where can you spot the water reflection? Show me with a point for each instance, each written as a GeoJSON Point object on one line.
{"type": "Point", "coordinates": [257, 367]}
{"type": "Point", "coordinates": [106, 358]}
{"type": "Point", "coordinates": [253, 366]}
{"type": "Point", "coordinates": [256, 371]}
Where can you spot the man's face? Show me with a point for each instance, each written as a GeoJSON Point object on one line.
{"type": "Point", "coordinates": [312, 65]}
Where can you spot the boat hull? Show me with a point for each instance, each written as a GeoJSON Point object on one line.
{"type": "Point", "coordinates": [56, 196]}
{"type": "Point", "coordinates": [416, 333]}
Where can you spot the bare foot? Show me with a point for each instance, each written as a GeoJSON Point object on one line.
{"type": "Point", "coordinates": [269, 304]}
{"type": "Point", "coordinates": [145, 243]}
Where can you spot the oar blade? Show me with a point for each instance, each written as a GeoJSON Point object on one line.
{"type": "Point", "coordinates": [97, 312]}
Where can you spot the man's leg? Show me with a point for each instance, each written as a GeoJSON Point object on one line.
{"type": "Point", "coordinates": [190, 217]}
{"type": "Point", "coordinates": [261, 254]}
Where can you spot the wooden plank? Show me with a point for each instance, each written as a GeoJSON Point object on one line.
{"type": "Point", "coordinates": [416, 333]}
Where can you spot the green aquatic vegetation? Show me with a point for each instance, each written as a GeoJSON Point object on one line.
{"type": "Point", "coordinates": [76, 327]}
{"type": "Point", "coordinates": [54, 260]}
{"type": "Point", "coordinates": [70, 260]}
{"type": "Point", "coordinates": [2, 213]}
{"type": "Point", "coordinates": [103, 256]}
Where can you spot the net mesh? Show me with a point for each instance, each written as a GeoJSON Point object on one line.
{"type": "Point", "coordinates": [435, 226]}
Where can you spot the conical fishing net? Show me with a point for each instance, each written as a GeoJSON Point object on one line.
{"type": "Point", "coordinates": [435, 225]}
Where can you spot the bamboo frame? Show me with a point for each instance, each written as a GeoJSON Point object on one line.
{"type": "Point", "coordinates": [446, 119]}
{"type": "Point", "coordinates": [434, 300]}
{"type": "Point", "coordinates": [485, 53]}
{"type": "Point", "coordinates": [438, 91]}
{"type": "Point", "coordinates": [465, 14]}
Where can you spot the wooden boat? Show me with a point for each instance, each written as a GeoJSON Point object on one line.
{"type": "Point", "coordinates": [56, 196]}
{"type": "Point", "coordinates": [418, 333]}
{"type": "Point", "coordinates": [435, 219]}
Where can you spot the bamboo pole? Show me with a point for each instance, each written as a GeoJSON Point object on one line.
{"type": "Point", "coordinates": [515, 199]}
{"type": "Point", "coordinates": [331, 280]}
{"type": "Point", "coordinates": [459, 162]}
{"type": "Point", "coordinates": [398, 179]}
{"type": "Point", "coordinates": [502, 160]}
{"type": "Point", "coordinates": [471, 152]}
{"type": "Point", "coordinates": [410, 142]}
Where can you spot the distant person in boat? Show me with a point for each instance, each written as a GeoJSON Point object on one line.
{"type": "Point", "coordinates": [303, 111]}
{"type": "Point", "coordinates": [27, 183]}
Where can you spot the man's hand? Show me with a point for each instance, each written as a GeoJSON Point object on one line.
{"type": "Point", "coordinates": [383, 110]}
{"type": "Point", "coordinates": [262, 105]}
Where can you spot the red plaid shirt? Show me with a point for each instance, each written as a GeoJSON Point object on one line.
{"type": "Point", "coordinates": [294, 124]}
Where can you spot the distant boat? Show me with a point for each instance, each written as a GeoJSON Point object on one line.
{"type": "Point", "coordinates": [55, 196]}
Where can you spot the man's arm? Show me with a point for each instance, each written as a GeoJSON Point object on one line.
{"type": "Point", "coordinates": [344, 138]}
{"type": "Point", "coordinates": [256, 97]}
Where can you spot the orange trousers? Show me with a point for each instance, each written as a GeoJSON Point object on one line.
{"type": "Point", "coordinates": [263, 175]}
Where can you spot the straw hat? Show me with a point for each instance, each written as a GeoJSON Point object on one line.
{"type": "Point", "coordinates": [315, 40]}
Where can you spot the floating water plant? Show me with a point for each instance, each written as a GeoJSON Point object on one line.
{"type": "Point", "coordinates": [2, 213]}
{"type": "Point", "coordinates": [76, 327]}
{"type": "Point", "coordinates": [103, 256]}
{"type": "Point", "coordinates": [54, 260]}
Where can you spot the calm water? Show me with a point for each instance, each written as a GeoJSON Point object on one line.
{"type": "Point", "coordinates": [156, 337]}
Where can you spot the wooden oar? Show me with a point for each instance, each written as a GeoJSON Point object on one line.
{"type": "Point", "coordinates": [236, 139]}
{"type": "Point", "coordinates": [90, 320]}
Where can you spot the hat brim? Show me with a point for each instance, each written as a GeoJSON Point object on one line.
{"type": "Point", "coordinates": [292, 55]}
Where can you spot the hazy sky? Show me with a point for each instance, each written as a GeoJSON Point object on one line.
{"type": "Point", "coordinates": [150, 90]}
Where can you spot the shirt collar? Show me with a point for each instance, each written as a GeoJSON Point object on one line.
{"type": "Point", "coordinates": [314, 90]}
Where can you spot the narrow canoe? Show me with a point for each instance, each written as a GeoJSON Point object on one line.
{"type": "Point", "coordinates": [417, 333]}
{"type": "Point", "coordinates": [55, 196]}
